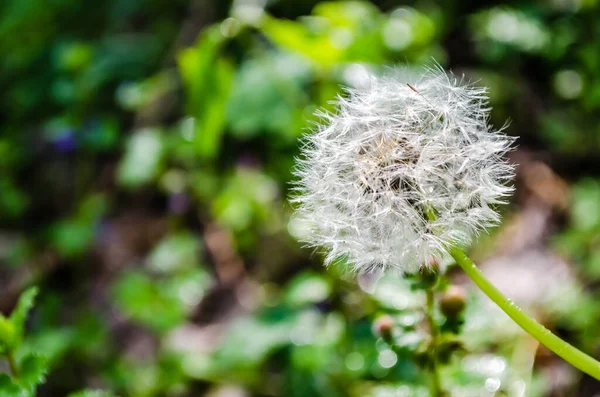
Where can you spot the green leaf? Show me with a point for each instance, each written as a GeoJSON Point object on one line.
{"type": "Point", "coordinates": [207, 81]}
{"type": "Point", "coordinates": [144, 301]}
{"type": "Point", "coordinates": [24, 305]}
{"type": "Point", "coordinates": [211, 120]}
{"type": "Point", "coordinates": [251, 339]}
{"type": "Point", "coordinates": [246, 197]}
{"type": "Point", "coordinates": [337, 32]}
{"type": "Point", "coordinates": [294, 36]}
{"type": "Point", "coordinates": [308, 288]}
{"type": "Point", "coordinates": [142, 158]}
{"type": "Point", "coordinates": [71, 238]}
{"type": "Point", "coordinates": [163, 303]}
{"type": "Point", "coordinates": [585, 207]}
{"type": "Point", "coordinates": [8, 388]}
{"type": "Point", "coordinates": [175, 252]}
{"type": "Point", "coordinates": [32, 372]}
{"type": "Point", "coordinates": [268, 96]}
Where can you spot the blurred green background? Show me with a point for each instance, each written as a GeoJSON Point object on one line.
{"type": "Point", "coordinates": [146, 149]}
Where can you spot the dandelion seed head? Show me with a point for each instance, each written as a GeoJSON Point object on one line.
{"type": "Point", "coordinates": [402, 169]}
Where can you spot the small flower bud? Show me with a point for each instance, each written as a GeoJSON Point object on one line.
{"type": "Point", "coordinates": [383, 327]}
{"type": "Point", "coordinates": [453, 301]}
{"type": "Point", "coordinates": [429, 275]}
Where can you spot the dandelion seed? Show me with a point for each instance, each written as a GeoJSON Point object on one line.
{"type": "Point", "coordinates": [391, 179]}
{"type": "Point", "coordinates": [412, 88]}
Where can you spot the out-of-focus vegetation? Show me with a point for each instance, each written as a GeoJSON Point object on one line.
{"type": "Point", "coordinates": [145, 157]}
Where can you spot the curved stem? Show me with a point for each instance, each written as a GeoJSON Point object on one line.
{"type": "Point", "coordinates": [436, 384]}
{"type": "Point", "coordinates": [569, 353]}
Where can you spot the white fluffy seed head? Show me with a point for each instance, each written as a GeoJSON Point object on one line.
{"type": "Point", "coordinates": [400, 171]}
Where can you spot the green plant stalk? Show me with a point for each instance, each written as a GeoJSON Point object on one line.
{"type": "Point", "coordinates": [569, 353]}
{"type": "Point", "coordinates": [436, 384]}
{"type": "Point", "coordinates": [12, 364]}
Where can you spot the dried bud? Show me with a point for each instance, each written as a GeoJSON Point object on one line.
{"type": "Point", "coordinates": [453, 301]}
{"type": "Point", "coordinates": [429, 274]}
{"type": "Point", "coordinates": [384, 326]}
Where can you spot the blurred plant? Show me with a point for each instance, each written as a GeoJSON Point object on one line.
{"type": "Point", "coordinates": [28, 371]}
{"type": "Point", "coordinates": [437, 343]}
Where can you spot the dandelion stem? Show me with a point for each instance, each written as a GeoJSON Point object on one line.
{"type": "Point", "coordinates": [561, 348]}
{"type": "Point", "coordinates": [436, 384]}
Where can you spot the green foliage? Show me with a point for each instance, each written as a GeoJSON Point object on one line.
{"type": "Point", "coordinates": [20, 312]}
{"type": "Point", "coordinates": [308, 288]}
{"type": "Point", "coordinates": [578, 240]}
{"type": "Point", "coordinates": [142, 158]}
{"type": "Point", "coordinates": [71, 237]}
{"type": "Point", "coordinates": [175, 253]}
{"type": "Point", "coordinates": [12, 328]}
{"type": "Point", "coordinates": [207, 78]}
{"type": "Point", "coordinates": [268, 97]}
{"type": "Point", "coordinates": [28, 371]}
{"type": "Point", "coordinates": [160, 304]}
{"type": "Point", "coordinates": [32, 372]}
{"type": "Point", "coordinates": [338, 32]}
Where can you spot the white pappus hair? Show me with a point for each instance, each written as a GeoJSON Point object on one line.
{"type": "Point", "coordinates": [400, 171]}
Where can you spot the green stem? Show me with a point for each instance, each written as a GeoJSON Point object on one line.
{"type": "Point", "coordinates": [12, 363]}
{"type": "Point", "coordinates": [436, 384]}
{"type": "Point", "coordinates": [563, 349]}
